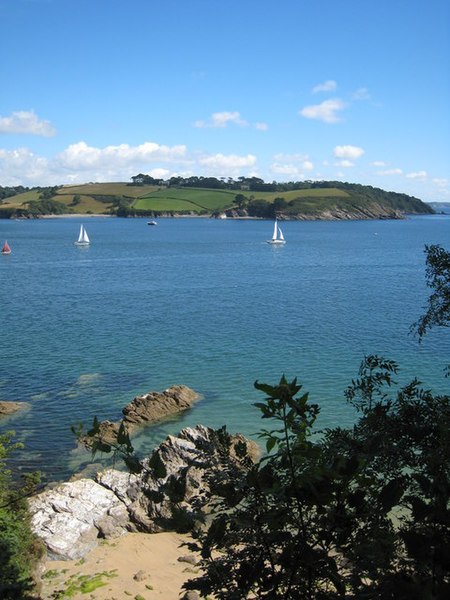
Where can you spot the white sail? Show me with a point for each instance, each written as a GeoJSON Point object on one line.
{"type": "Point", "coordinates": [274, 234]}
{"type": "Point", "coordinates": [83, 238]}
{"type": "Point", "coordinates": [277, 235]}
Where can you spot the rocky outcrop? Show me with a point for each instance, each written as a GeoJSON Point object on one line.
{"type": "Point", "coordinates": [157, 405]}
{"type": "Point", "coordinates": [175, 485]}
{"type": "Point", "coordinates": [361, 211]}
{"type": "Point", "coordinates": [70, 518]}
{"type": "Point", "coordinates": [143, 409]}
{"type": "Point", "coordinates": [371, 211]}
{"type": "Point", "coordinates": [8, 408]}
{"type": "Point", "coordinates": [183, 474]}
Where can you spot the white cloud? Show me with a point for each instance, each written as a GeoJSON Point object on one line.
{"type": "Point", "coordinates": [159, 173]}
{"type": "Point", "coordinates": [81, 156]}
{"type": "Point", "coordinates": [292, 165]}
{"type": "Point", "coordinates": [220, 120]}
{"type": "Point", "coordinates": [326, 111]}
{"type": "Point", "coordinates": [80, 163]}
{"type": "Point", "coordinates": [391, 172]}
{"type": "Point", "coordinates": [378, 163]}
{"type": "Point", "coordinates": [417, 175]}
{"type": "Point", "coordinates": [291, 170]}
{"type": "Point", "coordinates": [224, 163]}
{"type": "Point", "coordinates": [441, 181]}
{"type": "Point", "coordinates": [26, 122]}
{"type": "Point", "coordinates": [352, 152]}
{"type": "Point", "coordinates": [361, 94]}
{"type": "Point", "coordinates": [22, 167]}
{"type": "Point", "coordinates": [327, 86]}
{"type": "Point", "coordinates": [345, 163]}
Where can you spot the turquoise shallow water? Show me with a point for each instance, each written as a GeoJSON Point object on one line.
{"type": "Point", "coordinates": [206, 303]}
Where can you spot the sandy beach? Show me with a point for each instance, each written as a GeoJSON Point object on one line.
{"type": "Point", "coordinates": [136, 566]}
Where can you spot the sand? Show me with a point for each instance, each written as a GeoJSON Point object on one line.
{"type": "Point", "coordinates": [152, 558]}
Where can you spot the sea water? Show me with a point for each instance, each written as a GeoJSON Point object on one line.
{"type": "Point", "coordinates": [209, 304]}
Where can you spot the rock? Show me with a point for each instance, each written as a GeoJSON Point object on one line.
{"type": "Point", "coordinates": [178, 479]}
{"type": "Point", "coordinates": [124, 485]}
{"type": "Point", "coordinates": [147, 408]}
{"type": "Point", "coordinates": [8, 408]}
{"type": "Point", "coordinates": [140, 576]}
{"type": "Point", "coordinates": [175, 486]}
{"type": "Point", "coordinates": [191, 595]}
{"type": "Point", "coordinates": [107, 433]}
{"type": "Point", "coordinates": [156, 405]}
{"type": "Point", "coordinates": [188, 558]}
{"type": "Point", "coordinates": [71, 517]}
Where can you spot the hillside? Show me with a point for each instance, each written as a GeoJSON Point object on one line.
{"type": "Point", "coordinates": [440, 207]}
{"type": "Point", "coordinates": [249, 198]}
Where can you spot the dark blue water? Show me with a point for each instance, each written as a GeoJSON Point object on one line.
{"type": "Point", "coordinates": [206, 303]}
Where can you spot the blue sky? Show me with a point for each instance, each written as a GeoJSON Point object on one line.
{"type": "Point", "coordinates": [287, 90]}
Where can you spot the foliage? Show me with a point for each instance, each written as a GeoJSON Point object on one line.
{"type": "Point", "coordinates": [118, 446]}
{"type": "Point", "coordinates": [260, 208]}
{"type": "Point", "coordinates": [8, 192]}
{"type": "Point", "coordinates": [19, 549]}
{"type": "Point", "coordinates": [240, 200]}
{"type": "Point", "coordinates": [359, 513]}
{"type": "Point", "coordinates": [48, 193]}
{"type": "Point", "coordinates": [438, 278]}
{"type": "Point", "coordinates": [75, 200]}
{"type": "Point", "coordinates": [46, 207]}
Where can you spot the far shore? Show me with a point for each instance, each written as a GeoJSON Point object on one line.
{"type": "Point", "coordinates": [175, 216]}
{"type": "Point", "coordinates": [74, 216]}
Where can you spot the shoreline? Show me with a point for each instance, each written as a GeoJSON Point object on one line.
{"type": "Point", "coordinates": [74, 216]}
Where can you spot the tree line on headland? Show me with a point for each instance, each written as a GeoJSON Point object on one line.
{"type": "Point", "coordinates": [241, 197]}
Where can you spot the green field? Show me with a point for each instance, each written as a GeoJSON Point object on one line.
{"type": "Point", "coordinates": [294, 194]}
{"type": "Point", "coordinates": [108, 189]}
{"type": "Point", "coordinates": [21, 199]}
{"type": "Point", "coordinates": [186, 199]}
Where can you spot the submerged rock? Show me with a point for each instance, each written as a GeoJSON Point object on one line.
{"type": "Point", "coordinates": [8, 407]}
{"type": "Point", "coordinates": [156, 405]}
{"type": "Point", "coordinates": [147, 408]}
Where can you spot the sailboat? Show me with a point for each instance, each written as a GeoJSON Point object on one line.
{"type": "Point", "coordinates": [6, 249]}
{"type": "Point", "coordinates": [83, 238]}
{"type": "Point", "coordinates": [277, 236]}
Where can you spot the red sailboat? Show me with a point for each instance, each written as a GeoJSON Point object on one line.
{"type": "Point", "coordinates": [6, 249]}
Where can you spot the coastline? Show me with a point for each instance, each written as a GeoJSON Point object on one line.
{"type": "Point", "coordinates": [75, 216]}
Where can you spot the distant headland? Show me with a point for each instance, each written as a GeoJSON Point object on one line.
{"type": "Point", "coordinates": [246, 197]}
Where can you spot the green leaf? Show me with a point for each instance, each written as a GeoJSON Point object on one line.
{"type": "Point", "coordinates": [391, 493]}
{"type": "Point", "coordinates": [270, 444]}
